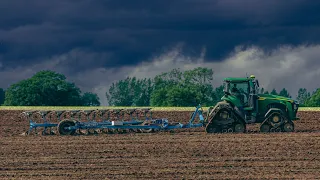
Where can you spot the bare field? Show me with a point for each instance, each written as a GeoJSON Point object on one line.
{"type": "Point", "coordinates": [183, 154]}
{"type": "Point", "coordinates": [162, 156]}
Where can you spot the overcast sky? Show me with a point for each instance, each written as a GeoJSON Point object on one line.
{"type": "Point", "coordinates": [95, 43]}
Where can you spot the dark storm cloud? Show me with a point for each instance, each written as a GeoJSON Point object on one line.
{"type": "Point", "coordinates": [132, 31]}
{"type": "Point", "coordinates": [95, 43]}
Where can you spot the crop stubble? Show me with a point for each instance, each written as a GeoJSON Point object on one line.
{"type": "Point", "coordinates": [166, 155]}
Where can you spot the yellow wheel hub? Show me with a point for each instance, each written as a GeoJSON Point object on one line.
{"type": "Point", "coordinates": [224, 115]}
{"type": "Point", "coordinates": [275, 119]}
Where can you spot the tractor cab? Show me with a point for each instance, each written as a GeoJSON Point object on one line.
{"type": "Point", "coordinates": [242, 93]}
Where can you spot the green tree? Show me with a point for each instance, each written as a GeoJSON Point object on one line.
{"type": "Point", "coordinates": [162, 84]}
{"type": "Point", "coordinates": [159, 97]}
{"type": "Point", "coordinates": [266, 92]}
{"type": "Point", "coordinates": [177, 96]}
{"type": "Point", "coordinates": [45, 88]}
{"type": "Point", "coordinates": [90, 99]}
{"type": "Point", "coordinates": [176, 88]}
{"type": "Point", "coordinates": [218, 93]}
{"type": "Point", "coordinates": [284, 93]}
{"type": "Point", "coordinates": [199, 80]}
{"type": "Point", "coordinates": [302, 96]}
{"type": "Point", "coordinates": [2, 96]}
{"type": "Point", "coordinates": [142, 92]}
{"type": "Point", "coordinates": [130, 92]}
{"type": "Point", "coordinates": [314, 100]}
{"type": "Point", "coordinates": [120, 93]}
{"type": "Point", "coordinates": [274, 92]}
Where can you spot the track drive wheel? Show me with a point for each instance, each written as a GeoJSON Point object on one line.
{"type": "Point", "coordinates": [275, 118]}
{"type": "Point", "coordinates": [66, 123]}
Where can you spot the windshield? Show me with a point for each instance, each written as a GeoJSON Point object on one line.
{"type": "Point", "coordinates": [232, 87]}
{"type": "Point", "coordinates": [239, 89]}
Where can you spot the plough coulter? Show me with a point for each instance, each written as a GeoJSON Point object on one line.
{"type": "Point", "coordinates": [103, 121]}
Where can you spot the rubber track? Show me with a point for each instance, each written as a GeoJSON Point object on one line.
{"type": "Point", "coordinates": [216, 109]}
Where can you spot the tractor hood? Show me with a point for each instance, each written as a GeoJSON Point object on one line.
{"type": "Point", "coordinates": [274, 97]}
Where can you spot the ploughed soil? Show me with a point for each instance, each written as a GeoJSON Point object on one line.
{"type": "Point", "coordinates": [181, 154]}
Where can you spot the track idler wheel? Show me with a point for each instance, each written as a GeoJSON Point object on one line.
{"type": "Point", "coordinates": [288, 127]}
{"type": "Point", "coordinates": [64, 124]}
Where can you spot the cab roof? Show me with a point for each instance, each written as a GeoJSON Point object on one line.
{"type": "Point", "coordinates": [238, 79]}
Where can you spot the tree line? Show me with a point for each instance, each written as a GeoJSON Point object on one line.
{"type": "Point", "coordinates": [176, 88]}
{"type": "Point", "coordinates": [173, 88]}
{"type": "Point", "coordinates": [47, 88]}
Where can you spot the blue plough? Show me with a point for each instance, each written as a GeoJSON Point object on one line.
{"type": "Point", "coordinates": [73, 124]}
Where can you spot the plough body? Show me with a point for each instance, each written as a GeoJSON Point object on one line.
{"type": "Point", "coordinates": [70, 126]}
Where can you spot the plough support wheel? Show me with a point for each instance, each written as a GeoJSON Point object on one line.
{"type": "Point", "coordinates": [149, 130]}
{"type": "Point", "coordinates": [66, 123]}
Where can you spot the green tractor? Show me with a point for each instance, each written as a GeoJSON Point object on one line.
{"type": "Point", "coordinates": [242, 105]}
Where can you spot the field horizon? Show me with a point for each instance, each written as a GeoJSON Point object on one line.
{"type": "Point", "coordinates": [44, 108]}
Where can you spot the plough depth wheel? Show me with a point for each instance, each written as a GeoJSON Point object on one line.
{"type": "Point", "coordinates": [147, 130]}
{"type": "Point", "coordinates": [66, 123]}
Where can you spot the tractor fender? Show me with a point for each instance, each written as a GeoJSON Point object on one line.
{"type": "Point", "coordinates": [225, 105]}
{"type": "Point", "coordinates": [273, 110]}
{"type": "Point", "coordinates": [270, 112]}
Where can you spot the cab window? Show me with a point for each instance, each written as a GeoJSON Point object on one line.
{"type": "Point", "coordinates": [241, 90]}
